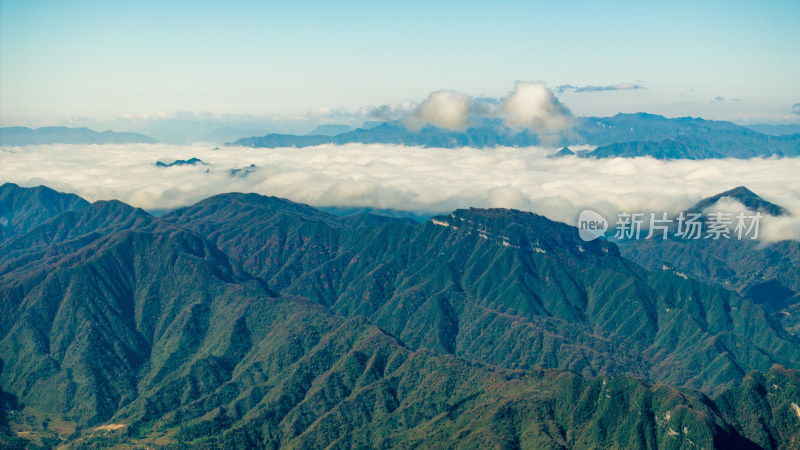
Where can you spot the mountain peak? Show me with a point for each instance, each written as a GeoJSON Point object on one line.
{"type": "Point", "coordinates": [638, 115]}
{"type": "Point", "coordinates": [746, 197]}
{"type": "Point", "coordinates": [22, 208]}
{"type": "Point", "coordinates": [566, 151]}
{"type": "Point", "coordinates": [330, 130]}
{"type": "Point", "coordinates": [247, 207]}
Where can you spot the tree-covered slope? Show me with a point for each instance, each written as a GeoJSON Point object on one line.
{"type": "Point", "coordinates": [253, 322]}
{"type": "Point", "coordinates": [502, 287]}
{"type": "Point", "coordinates": [22, 209]}
{"type": "Point", "coordinates": [765, 272]}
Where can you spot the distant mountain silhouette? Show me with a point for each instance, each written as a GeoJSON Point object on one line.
{"type": "Point", "coordinates": [623, 135]}
{"type": "Point", "coordinates": [329, 130]}
{"type": "Point", "coordinates": [776, 130]}
{"type": "Point", "coordinates": [181, 162]}
{"type": "Point", "coordinates": [746, 197]}
{"type": "Point", "coordinates": [18, 136]}
{"type": "Point", "coordinates": [562, 153]}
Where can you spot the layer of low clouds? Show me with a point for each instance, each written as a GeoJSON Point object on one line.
{"type": "Point", "coordinates": [403, 178]}
{"type": "Point", "coordinates": [796, 109]}
{"type": "Point", "coordinates": [592, 88]}
{"type": "Point", "coordinates": [776, 229]}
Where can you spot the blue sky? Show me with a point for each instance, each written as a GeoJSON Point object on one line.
{"type": "Point", "coordinates": [727, 60]}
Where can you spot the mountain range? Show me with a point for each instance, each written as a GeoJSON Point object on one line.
{"type": "Point", "coordinates": [246, 321]}
{"type": "Point", "coordinates": [18, 136]}
{"type": "Point", "coordinates": [622, 135]}
{"type": "Point", "coordinates": [776, 130]}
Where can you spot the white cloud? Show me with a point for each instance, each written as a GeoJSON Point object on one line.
{"type": "Point", "coordinates": [770, 228]}
{"type": "Point", "coordinates": [533, 106]}
{"type": "Point", "coordinates": [530, 106]}
{"type": "Point", "coordinates": [405, 178]}
{"type": "Point", "coordinates": [444, 109]}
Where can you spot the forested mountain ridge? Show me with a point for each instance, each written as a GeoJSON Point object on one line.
{"type": "Point", "coordinates": [249, 321]}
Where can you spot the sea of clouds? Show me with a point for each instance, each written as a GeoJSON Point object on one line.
{"type": "Point", "coordinates": [427, 180]}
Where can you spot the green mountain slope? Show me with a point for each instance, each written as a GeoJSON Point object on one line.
{"type": "Point", "coordinates": [252, 322]}
{"type": "Point", "coordinates": [22, 209]}
{"type": "Point", "coordinates": [766, 273]}
{"type": "Point", "coordinates": [502, 287]}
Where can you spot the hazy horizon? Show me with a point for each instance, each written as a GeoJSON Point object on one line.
{"type": "Point", "coordinates": [288, 67]}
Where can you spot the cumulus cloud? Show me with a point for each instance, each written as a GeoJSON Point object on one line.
{"type": "Point", "coordinates": [529, 106]}
{"type": "Point", "coordinates": [445, 109]}
{"type": "Point", "coordinates": [405, 178]}
{"type": "Point", "coordinates": [533, 106]}
{"type": "Point", "coordinates": [591, 88]}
